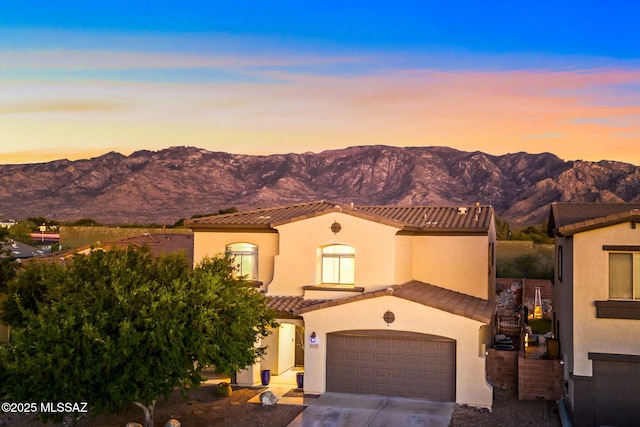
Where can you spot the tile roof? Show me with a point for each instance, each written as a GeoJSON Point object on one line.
{"type": "Point", "coordinates": [410, 218]}
{"type": "Point", "coordinates": [289, 304]}
{"type": "Point", "coordinates": [20, 250]}
{"type": "Point", "coordinates": [568, 218]}
{"type": "Point", "coordinates": [425, 294]}
{"type": "Point", "coordinates": [160, 243]}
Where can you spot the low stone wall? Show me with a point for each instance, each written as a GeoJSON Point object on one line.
{"type": "Point", "coordinates": [502, 368]}
{"type": "Point", "coordinates": [539, 379]}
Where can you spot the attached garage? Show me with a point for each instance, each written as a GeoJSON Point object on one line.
{"type": "Point", "coordinates": [616, 392]}
{"type": "Point", "coordinates": [391, 363]}
{"type": "Point", "coordinates": [394, 342]}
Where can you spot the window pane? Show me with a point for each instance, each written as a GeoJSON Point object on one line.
{"type": "Point", "coordinates": [338, 249]}
{"type": "Point", "coordinates": [242, 247]}
{"type": "Point", "coordinates": [636, 276]}
{"type": "Point", "coordinates": [330, 270]}
{"type": "Point", "coordinates": [620, 276]}
{"type": "Point", "coordinates": [246, 267]}
{"type": "Point", "coordinates": [347, 271]}
{"type": "Point", "coordinates": [245, 260]}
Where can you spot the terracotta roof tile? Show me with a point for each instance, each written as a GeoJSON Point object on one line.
{"type": "Point", "coordinates": [428, 295]}
{"type": "Point", "coordinates": [410, 218]}
{"type": "Point", "coordinates": [567, 218]}
{"type": "Point", "coordinates": [160, 243]}
{"type": "Point", "coordinates": [288, 304]}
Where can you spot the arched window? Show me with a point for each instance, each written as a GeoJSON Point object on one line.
{"type": "Point", "coordinates": [245, 259]}
{"type": "Point", "coordinates": [338, 265]}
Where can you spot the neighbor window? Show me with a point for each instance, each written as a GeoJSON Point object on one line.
{"type": "Point", "coordinates": [244, 257]}
{"type": "Point", "coordinates": [338, 265]}
{"type": "Point", "coordinates": [624, 276]}
{"type": "Point", "coordinates": [560, 261]}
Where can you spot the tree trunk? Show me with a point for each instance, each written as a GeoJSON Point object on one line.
{"type": "Point", "coordinates": [148, 412]}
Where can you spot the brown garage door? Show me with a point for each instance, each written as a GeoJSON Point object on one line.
{"type": "Point", "coordinates": [616, 392]}
{"type": "Point", "coordinates": [392, 363]}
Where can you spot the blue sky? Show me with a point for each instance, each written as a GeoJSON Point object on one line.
{"type": "Point", "coordinates": [83, 78]}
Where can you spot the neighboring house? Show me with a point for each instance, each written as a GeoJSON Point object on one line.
{"type": "Point", "coordinates": [159, 243]}
{"type": "Point", "coordinates": [382, 299]}
{"type": "Point", "coordinates": [7, 223]}
{"type": "Point", "coordinates": [22, 251]}
{"type": "Point", "coordinates": [597, 309]}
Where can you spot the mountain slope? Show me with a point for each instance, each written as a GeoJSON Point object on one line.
{"type": "Point", "coordinates": [179, 182]}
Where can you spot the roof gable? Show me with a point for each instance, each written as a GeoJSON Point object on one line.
{"type": "Point", "coordinates": [426, 294]}
{"type": "Point", "coordinates": [566, 219]}
{"type": "Point", "coordinates": [434, 219]}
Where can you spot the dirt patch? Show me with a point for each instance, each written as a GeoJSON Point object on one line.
{"type": "Point", "coordinates": [508, 411]}
{"type": "Point", "coordinates": [200, 407]}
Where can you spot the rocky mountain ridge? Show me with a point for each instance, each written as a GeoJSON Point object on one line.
{"type": "Point", "coordinates": [179, 182]}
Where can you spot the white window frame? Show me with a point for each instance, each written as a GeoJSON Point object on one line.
{"type": "Point", "coordinates": [346, 256]}
{"type": "Point", "coordinates": [240, 251]}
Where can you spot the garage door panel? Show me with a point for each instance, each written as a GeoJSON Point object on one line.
{"type": "Point", "coordinates": [382, 357]}
{"type": "Point", "coordinates": [393, 365]}
{"type": "Point", "coordinates": [616, 392]}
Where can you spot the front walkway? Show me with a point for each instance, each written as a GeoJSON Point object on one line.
{"type": "Point", "coordinates": [357, 410]}
{"type": "Point", "coordinates": [281, 385]}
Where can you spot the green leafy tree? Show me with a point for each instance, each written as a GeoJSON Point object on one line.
{"type": "Point", "coordinates": [121, 327]}
{"type": "Point", "coordinates": [8, 263]}
{"type": "Point", "coordinates": [503, 232]}
{"type": "Point", "coordinates": [86, 222]}
{"type": "Point", "coordinates": [528, 266]}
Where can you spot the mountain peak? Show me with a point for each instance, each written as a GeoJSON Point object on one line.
{"type": "Point", "coordinates": [178, 182]}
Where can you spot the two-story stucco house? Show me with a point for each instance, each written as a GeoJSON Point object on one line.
{"type": "Point", "coordinates": [393, 300]}
{"type": "Point", "coordinates": [597, 309]}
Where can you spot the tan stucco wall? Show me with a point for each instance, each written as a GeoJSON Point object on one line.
{"type": "Point", "coordinates": [291, 258]}
{"type": "Point", "coordinates": [471, 385]}
{"type": "Point", "coordinates": [403, 259]}
{"type": "Point", "coordinates": [459, 263]}
{"type": "Point", "coordinates": [591, 283]}
{"type": "Point", "coordinates": [215, 243]}
{"type": "Point", "coordinates": [298, 263]}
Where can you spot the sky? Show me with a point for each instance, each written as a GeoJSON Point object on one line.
{"type": "Point", "coordinates": [79, 79]}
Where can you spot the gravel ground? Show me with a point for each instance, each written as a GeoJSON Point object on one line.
{"type": "Point", "coordinates": [201, 408]}
{"type": "Point", "coordinates": [508, 411]}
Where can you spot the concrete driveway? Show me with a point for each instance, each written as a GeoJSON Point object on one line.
{"type": "Point", "coordinates": [357, 410]}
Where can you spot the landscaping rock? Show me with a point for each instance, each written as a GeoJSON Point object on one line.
{"type": "Point", "coordinates": [172, 423]}
{"type": "Point", "coordinates": [268, 398]}
{"type": "Point", "coordinates": [133, 424]}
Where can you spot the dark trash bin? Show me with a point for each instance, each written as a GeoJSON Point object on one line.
{"type": "Point", "coordinates": [300, 379]}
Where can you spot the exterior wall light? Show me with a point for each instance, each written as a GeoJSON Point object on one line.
{"type": "Point", "coordinates": [313, 339]}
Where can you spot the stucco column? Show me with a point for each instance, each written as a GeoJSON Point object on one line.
{"type": "Point", "coordinates": [250, 376]}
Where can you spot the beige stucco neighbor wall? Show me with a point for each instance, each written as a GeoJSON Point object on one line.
{"type": "Point", "coordinates": [591, 283]}
{"type": "Point", "coordinates": [298, 262]}
{"type": "Point", "coordinates": [215, 243]}
{"type": "Point", "coordinates": [460, 263]}
{"type": "Point", "coordinates": [471, 385]}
